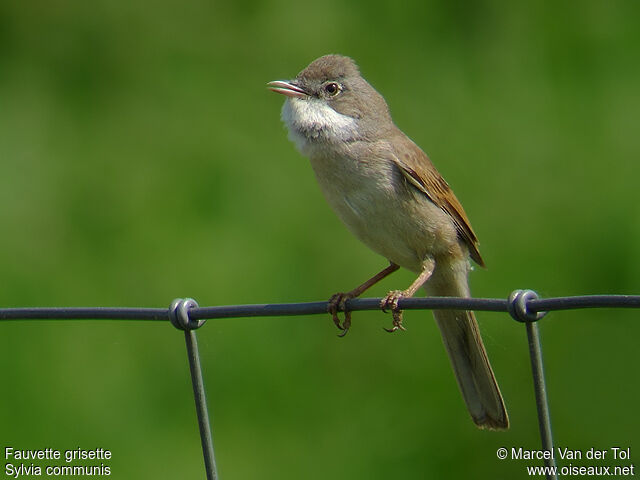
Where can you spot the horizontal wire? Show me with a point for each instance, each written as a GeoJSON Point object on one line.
{"type": "Point", "coordinates": [312, 308]}
{"type": "Point", "coordinates": [84, 313]}
{"type": "Point", "coordinates": [584, 301]}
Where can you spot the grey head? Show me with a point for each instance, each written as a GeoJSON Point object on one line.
{"type": "Point", "coordinates": [330, 102]}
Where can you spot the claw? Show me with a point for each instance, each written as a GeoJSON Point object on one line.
{"type": "Point", "coordinates": [397, 323]}
{"type": "Point", "coordinates": [337, 303]}
{"type": "Point", "coordinates": [345, 325]}
{"type": "Point", "coordinates": [336, 319]}
{"type": "Point", "coordinates": [391, 302]}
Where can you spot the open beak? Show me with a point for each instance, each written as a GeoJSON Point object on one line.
{"type": "Point", "coordinates": [287, 88]}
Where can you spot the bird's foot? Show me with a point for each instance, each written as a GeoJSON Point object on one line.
{"type": "Point", "coordinates": [337, 303]}
{"type": "Point", "coordinates": [390, 302]}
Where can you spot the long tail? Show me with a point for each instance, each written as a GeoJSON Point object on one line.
{"type": "Point", "coordinates": [469, 358]}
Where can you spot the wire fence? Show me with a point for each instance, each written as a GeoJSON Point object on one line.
{"type": "Point", "coordinates": [185, 314]}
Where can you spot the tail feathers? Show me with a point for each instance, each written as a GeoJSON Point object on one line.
{"type": "Point", "coordinates": [472, 368]}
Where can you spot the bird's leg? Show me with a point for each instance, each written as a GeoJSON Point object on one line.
{"type": "Point", "coordinates": [392, 298]}
{"type": "Point", "coordinates": [338, 301]}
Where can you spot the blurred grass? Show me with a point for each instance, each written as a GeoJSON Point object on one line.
{"type": "Point", "coordinates": [143, 160]}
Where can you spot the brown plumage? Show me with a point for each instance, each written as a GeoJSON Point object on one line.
{"type": "Point", "coordinates": [419, 170]}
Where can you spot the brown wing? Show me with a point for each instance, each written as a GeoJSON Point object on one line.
{"type": "Point", "coordinates": [421, 173]}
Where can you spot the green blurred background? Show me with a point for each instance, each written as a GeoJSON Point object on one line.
{"type": "Point", "coordinates": [143, 159]}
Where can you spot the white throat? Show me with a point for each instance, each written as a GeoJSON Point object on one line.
{"type": "Point", "coordinates": [311, 123]}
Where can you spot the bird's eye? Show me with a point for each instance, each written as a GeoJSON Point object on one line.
{"type": "Point", "coordinates": [332, 88]}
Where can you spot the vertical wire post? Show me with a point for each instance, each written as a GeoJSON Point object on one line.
{"type": "Point", "coordinates": [179, 316]}
{"type": "Point", "coordinates": [201, 404]}
{"type": "Point", "coordinates": [517, 307]}
{"type": "Point", "coordinates": [540, 387]}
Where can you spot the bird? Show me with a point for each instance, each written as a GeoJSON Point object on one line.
{"type": "Point", "coordinates": [389, 194]}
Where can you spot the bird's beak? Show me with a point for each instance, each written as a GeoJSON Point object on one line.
{"type": "Point", "coordinates": [287, 88]}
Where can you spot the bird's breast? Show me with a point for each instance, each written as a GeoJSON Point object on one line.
{"type": "Point", "coordinates": [372, 199]}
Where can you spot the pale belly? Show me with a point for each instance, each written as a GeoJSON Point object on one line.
{"type": "Point", "coordinates": [375, 204]}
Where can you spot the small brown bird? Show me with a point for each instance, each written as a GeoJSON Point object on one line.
{"type": "Point", "coordinates": [390, 196]}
